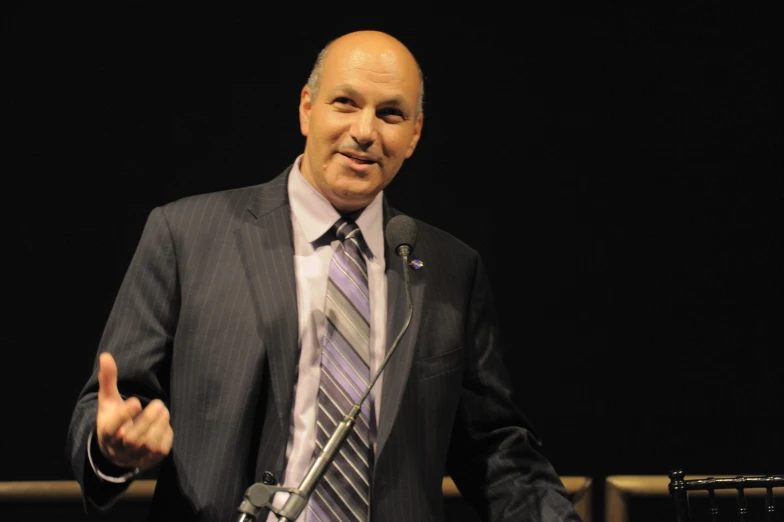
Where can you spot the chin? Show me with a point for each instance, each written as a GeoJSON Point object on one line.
{"type": "Point", "coordinates": [363, 187]}
{"type": "Point", "coordinates": [351, 200]}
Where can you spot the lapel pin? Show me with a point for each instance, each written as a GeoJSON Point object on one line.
{"type": "Point", "coordinates": [416, 264]}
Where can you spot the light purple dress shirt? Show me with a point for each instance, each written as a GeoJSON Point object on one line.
{"type": "Point", "coordinates": [312, 216]}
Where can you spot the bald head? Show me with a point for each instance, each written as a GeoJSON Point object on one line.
{"type": "Point", "coordinates": [358, 46]}
{"type": "Point", "coordinates": [361, 115]}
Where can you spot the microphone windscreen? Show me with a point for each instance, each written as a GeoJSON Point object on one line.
{"type": "Point", "coordinates": [401, 230]}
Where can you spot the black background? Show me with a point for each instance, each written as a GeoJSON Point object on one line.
{"type": "Point", "coordinates": [618, 167]}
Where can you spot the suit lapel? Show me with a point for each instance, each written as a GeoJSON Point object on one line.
{"type": "Point", "coordinates": [268, 254]}
{"type": "Point", "coordinates": [399, 367]}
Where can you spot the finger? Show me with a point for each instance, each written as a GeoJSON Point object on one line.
{"type": "Point", "coordinates": [107, 379]}
{"type": "Point", "coordinates": [147, 440]}
{"type": "Point", "coordinates": [116, 440]}
{"type": "Point", "coordinates": [167, 440]}
{"type": "Point", "coordinates": [157, 430]}
{"type": "Point", "coordinates": [155, 438]}
{"type": "Point", "coordinates": [133, 407]}
{"type": "Point", "coordinates": [118, 446]}
{"type": "Point", "coordinates": [164, 447]}
{"type": "Point", "coordinates": [135, 434]}
{"type": "Point", "coordinates": [113, 419]}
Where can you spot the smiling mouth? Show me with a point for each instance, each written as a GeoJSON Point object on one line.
{"type": "Point", "coordinates": [358, 160]}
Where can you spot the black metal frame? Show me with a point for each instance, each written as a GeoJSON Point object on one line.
{"type": "Point", "coordinates": [679, 491]}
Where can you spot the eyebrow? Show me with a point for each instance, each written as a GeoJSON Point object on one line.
{"type": "Point", "coordinates": [395, 101]}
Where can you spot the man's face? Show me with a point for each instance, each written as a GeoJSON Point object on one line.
{"type": "Point", "coordinates": [362, 124]}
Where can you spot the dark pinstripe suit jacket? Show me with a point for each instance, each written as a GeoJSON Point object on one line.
{"type": "Point", "coordinates": [206, 318]}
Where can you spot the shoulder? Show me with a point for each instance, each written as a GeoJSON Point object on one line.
{"type": "Point", "coordinates": [230, 204]}
{"type": "Point", "coordinates": [224, 200]}
{"type": "Point", "coordinates": [436, 240]}
{"type": "Point", "coordinates": [447, 261]}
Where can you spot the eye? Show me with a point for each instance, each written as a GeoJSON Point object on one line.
{"type": "Point", "coordinates": [391, 114]}
{"type": "Point", "coordinates": [342, 100]}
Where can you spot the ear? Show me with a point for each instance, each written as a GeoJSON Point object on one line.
{"type": "Point", "coordinates": [305, 105]}
{"type": "Point", "coordinates": [417, 134]}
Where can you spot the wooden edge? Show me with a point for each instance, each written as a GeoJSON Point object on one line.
{"type": "Point", "coordinates": [64, 490]}
{"type": "Point", "coordinates": [615, 508]}
{"type": "Point", "coordinates": [581, 491]}
{"type": "Point", "coordinates": [143, 489]}
{"type": "Point", "coordinates": [577, 488]}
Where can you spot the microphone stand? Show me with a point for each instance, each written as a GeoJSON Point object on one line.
{"type": "Point", "coordinates": [259, 495]}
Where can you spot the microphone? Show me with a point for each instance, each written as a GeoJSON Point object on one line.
{"type": "Point", "coordinates": [401, 235]}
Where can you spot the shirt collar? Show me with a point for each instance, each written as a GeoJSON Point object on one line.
{"type": "Point", "coordinates": [316, 215]}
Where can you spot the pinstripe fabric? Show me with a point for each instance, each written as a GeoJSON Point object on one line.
{"type": "Point", "coordinates": [206, 318]}
{"type": "Point", "coordinates": [343, 493]}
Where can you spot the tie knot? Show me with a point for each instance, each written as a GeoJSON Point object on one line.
{"type": "Point", "coordinates": [346, 229]}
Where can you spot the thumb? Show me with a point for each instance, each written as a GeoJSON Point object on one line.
{"type": "Point", "coordinates": [107, 379]}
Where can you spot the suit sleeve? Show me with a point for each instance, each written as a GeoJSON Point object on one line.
{"type": "Point", "coordinates": [494, 457]}
{"type": "Point", "coordinates": [138, 334]}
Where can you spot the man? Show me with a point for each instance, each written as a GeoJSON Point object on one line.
{"type": "Point", "coordinates": [224, 343]}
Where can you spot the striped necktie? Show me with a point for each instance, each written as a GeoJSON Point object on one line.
{"type": "Point", "coordinates": [343, 495]}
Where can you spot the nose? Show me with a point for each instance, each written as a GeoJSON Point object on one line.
{"type": "Point", "coordinates": [363, 130]}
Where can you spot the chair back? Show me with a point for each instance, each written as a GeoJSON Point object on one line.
{"type": "Point", "coordinates": [680, 490]}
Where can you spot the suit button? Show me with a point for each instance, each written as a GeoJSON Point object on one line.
{"type": "Point", "coordinates": [268, 478]}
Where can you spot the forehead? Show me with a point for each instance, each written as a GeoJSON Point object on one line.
{"type": "Point", "coordinates": [372, 71]}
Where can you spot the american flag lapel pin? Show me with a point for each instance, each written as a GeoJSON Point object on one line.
{"type": "Point", "coordinates": [416, 264]}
